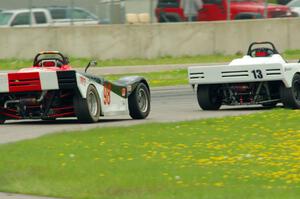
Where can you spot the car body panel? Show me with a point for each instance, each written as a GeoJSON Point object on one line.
{"type": "Point", "coordinates": [240, 70]}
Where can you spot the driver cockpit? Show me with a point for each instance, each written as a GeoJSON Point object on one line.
{"type": "Point", "coordinates": [262, 51]}
{"type": "Point", "coordinates": [50, 59]}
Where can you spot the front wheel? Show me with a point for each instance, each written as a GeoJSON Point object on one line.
{"type": "Point", "coordinates": [2, 119]}
{"type": "Point", "coordinates": [87, 110]}
{"type": "Point", "coordinates": [291, 96]}
{"type": "Point", "coordinates": [208, 97]}
{"type": "Point", "coordinates": [139, 102]}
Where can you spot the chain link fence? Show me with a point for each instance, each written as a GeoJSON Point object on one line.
{"type": "Point", "coordinates": [107, 11]}
{"type": "Point", "coordinates": [148, 11]}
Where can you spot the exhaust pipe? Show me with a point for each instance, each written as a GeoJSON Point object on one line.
{"type": "Point", "coordinates": [26, 101]}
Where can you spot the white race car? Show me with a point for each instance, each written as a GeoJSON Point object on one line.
{"type": "Point", "coordinates": [260, 77]}
{"type": "Point", "coordinates": [51, 89]}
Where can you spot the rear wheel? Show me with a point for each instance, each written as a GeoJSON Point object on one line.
{"type": "Point", "coordinates": [208, 98]}
{"type": "Point", "coordinates": [87, 110]}
{"type": "Point", "coordinates": [139, 102]}
{"type": "Point", "coordinates": [2, 120]}
{"type": "Point", "coordinates": [291, 96]}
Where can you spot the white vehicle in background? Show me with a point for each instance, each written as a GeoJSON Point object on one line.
{"type": "Point", "coordinates": [261, 77]}
{"type": "Point", "coordinates": [294, 5]}
{"type": "Point", "coordinates": [25, 18]}
{"type": "Point", "coordinates": [75, 15]}
{"type": "Point", "coordinates": [39, 17]}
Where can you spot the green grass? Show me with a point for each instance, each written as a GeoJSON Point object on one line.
{"type": "Point", "coordinates": [155, 79]}
{"type": "Point", "coordinates": [17, 63]}
{"type": "Point", "coordinates": [76, 62]}
{"type": "Point", "coordinates": [250, 157]}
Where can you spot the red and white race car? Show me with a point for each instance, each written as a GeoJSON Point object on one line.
{"type": "Point", "coordinates": [51, 89]}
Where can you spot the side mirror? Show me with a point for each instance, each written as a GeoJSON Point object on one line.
{"type": "Point", "coordinates": [91, 63]}
{"type": "Point", "coordinates": [67, 60]}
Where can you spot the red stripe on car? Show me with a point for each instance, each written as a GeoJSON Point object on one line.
{"type": "Point", "coordinates": [22, 82]}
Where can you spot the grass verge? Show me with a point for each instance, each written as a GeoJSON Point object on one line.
{"type": "Point", "coordinates": [10, 64]}
{"type": "Point", "coordinates": [155, 79]}
{"type": "Point", "coordinates": [252, 156]}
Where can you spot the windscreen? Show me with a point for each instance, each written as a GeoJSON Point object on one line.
{"type": "Point", "coordinates": [294, 4]}
{"type": "Point", "coordinates": [168, 4]}
{"type": "Point", "coordinates": [5, 18]}
{"type": "Point", "coordinates": [58, 13]}
{"type": "Point", "coordinates": [49, 57]}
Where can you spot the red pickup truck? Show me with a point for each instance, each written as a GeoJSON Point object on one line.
{"type": "Point", "coordinates": [212, 10]}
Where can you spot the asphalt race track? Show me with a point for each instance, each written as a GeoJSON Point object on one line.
{"type": "Point", "coordinates": [168, 104]}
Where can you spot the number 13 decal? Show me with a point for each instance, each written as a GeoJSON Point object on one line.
{"type": "Point", "coordinates": [107, 89]}
{"type": "Point", "coordinates": [257, 74]}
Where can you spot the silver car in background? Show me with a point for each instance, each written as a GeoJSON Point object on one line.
{"type": "Point", "coordinates": [294, 6]}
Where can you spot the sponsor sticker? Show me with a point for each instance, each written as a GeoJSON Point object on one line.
{"type": "Point", "coordinates": [82, 81]}
{"type": "Point", "coordinates": [123, 92]}
{"type": "Point", "coordinates": [107, 97]}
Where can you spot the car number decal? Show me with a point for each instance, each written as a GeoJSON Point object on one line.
{"type": "Point", "coordinates": [123, 92]}
{"type": "Point", "coordinates": [257, 74]}
{"type": "Point", "coordinates": [82, 81]}
{"type": "Point", "coordinates": [107, 97]}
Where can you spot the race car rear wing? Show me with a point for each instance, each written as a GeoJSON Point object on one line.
{"type": "Point", "coordinates": [234, 74]}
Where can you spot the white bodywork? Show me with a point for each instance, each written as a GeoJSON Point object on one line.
{"type": "Point", "coordinates": [19, 12]}
{"type": "Point", "coordinates": [4, 83]}
{"type": "Point", "coordinates": [294, 5]}
{"type": "Point", "coordinates": [296, 10]}
{"type": "Point", "coordinates": [118, 105]}
{"type": "Point", "coordinates": [273, 68]}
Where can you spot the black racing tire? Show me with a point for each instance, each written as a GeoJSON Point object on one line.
{"type": "Point", "coordinates": [290, 97]}
{"type": "Point", "coordinates": [2, 119]}
{"type": "Point", "coordinates": [87, 110]}
{"type": "Point", "coordinates": [208, 98]}
{"type": "Point", "coordinates": [139, 102]}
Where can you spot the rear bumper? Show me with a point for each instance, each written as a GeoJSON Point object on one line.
{"type": "Point", "coordinates": [235, 74]}
{"type": "Point", "coordinates": [37, 81]}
